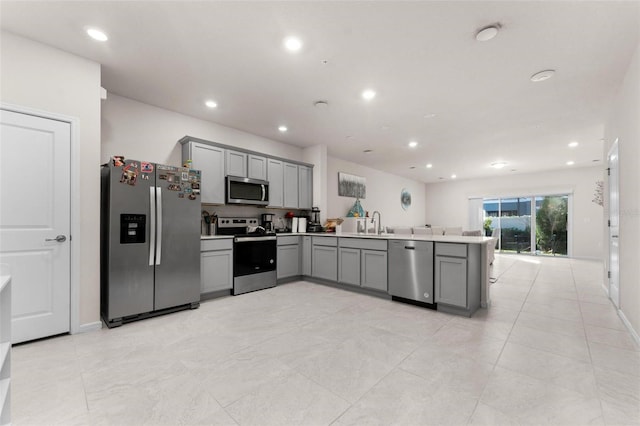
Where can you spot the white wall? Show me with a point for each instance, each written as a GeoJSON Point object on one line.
{"type": "Point", "coordinates": [383, 194]}
{"type": "Point", "coordinates": [623, 124]}
{"type": "Point", "coordinates": [317, 155]}
{"type": "Point", "coordinates": [144, 132]}
{"type": "Point", "coordinates": [447, 203]}
{"type": "Point", "coordinates": [37, 76]}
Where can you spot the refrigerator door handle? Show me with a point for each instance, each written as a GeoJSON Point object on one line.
{"type": "Point", "coordinates": [159, 221]}
{"type": "Point", "coordinates": [152, 227]}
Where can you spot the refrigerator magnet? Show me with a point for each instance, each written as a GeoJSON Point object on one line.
{"type": "Point", "coordinates": [118, 160]}
{"type": "Point", "coordinates": [180, 194]}
{"type": "Point", "coordinates": [185, 176]}
{"type": "Point", "coordinates": [130, 174]}
{"type": "Point", "coordinates": [192, 196]}
{"type": "Point", "coordinates": [163, 177]}
{"type": "Point", "coordinates": [187, 190]}
{"type": "Point", "coordinates": [146, 167]}
{"type": "Point", "coordinates": [174, 187]}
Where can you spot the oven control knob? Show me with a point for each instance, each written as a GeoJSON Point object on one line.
{"type": "Point", "coordinates": [271, 261]}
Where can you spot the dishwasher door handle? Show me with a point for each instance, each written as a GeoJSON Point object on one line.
{"type": "Point", "coordinates": [409, 248]}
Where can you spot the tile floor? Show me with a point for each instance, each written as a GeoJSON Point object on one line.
{"type": "Point", "coordinates": [551, 350]}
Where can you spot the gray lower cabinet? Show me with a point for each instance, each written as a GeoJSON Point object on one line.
{"type": "Point", "coordinates": [288, 257]}
{"type": "Point", "coordinates": [457, 277]}
{"type": "Point", "coordinates": [373, 269]}
{"type": "Point", "coordinates": [306, 256]}
{"type": "Point", "coordinates": [349, 266]}
{"type": "Point", "coordinates": [451, 281]}
{"type": "Point", "coordinates": [363, 262]}
{"type": "Point", "coordinates": [210, 161]}
{"type": "Point", "coordinates": [324, 258]}
{"type": "Point", "coordinates": [216, 265]}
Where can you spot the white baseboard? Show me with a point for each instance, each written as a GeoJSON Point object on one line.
{"type": "Point", "coordinates": [91, 326]}
{"type": "Point", "coordinates": [629, 327]}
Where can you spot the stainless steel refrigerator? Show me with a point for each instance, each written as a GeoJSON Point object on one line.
{"type": "Point", "coordinates": [150, 232]}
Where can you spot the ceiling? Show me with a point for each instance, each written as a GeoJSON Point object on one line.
{"type": "Point", "coordinates": [421, 58]}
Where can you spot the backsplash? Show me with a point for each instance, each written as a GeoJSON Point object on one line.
{"type": "Point", "coordinates": [252, 211]}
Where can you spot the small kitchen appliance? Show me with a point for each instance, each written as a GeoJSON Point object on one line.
{"type": "Point", "coordinates": [267, 222]}
{"type": "Point", "coordinates": [314, 224]}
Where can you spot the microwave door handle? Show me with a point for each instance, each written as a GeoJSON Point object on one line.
{"type": "Point", "coordinates": [264, 193]}
{"type": "Point", "coordinates": [159, 224]}
{"type": "Point", "coordinates": [152, 222]}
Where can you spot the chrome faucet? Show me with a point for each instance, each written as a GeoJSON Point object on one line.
{"type": "Point", "coordinates": [378, 222]}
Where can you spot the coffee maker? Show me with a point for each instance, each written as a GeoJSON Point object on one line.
{"type": "Point", "coordinates": [267, 222]}
{"type": "Point", "coordinates": [314, 224]}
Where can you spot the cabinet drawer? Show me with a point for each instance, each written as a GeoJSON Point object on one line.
{"type": "Point", "coordinates": [221, 244]}
{"type": "Point", "coordinates": [288, 240]}
{"type": "Point", "coordinates": [363, 243]}
{"type": "Point", "coordinates": [325, 241]}
{"type": "Point", "coordinates": [451, 249]}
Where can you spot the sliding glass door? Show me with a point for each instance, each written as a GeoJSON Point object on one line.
{"type": "Point", "coordinates": [535, 225]}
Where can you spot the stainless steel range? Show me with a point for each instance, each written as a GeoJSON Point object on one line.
{"type": "Point", "coordinates": [254, 254]}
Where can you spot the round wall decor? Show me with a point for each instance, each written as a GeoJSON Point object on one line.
{"type": "Point", "coordinates": [405, 198]}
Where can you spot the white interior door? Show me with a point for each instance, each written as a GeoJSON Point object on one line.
{"type": "Point", "coordinates": [35, 222]}
{"type": "Point", "coordinates": [614, 227]}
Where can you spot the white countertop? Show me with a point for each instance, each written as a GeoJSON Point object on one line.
{"type": "Point", "coordinates": [437, 238]}
{"type": "Point", "coordinates": [215, 237]}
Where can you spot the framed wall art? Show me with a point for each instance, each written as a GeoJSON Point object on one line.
{"type": "Point", "coordinates": [351, 186]}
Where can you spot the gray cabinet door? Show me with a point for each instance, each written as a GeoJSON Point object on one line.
{"type": "Point", "coordinates": [451, 281]}
{"type": "Point", "coordinates": [216, 270]}
{"type": "Point", "coordinates": [306, 256]}
{"type": "Point", "coordinates": [324, 262]}
{"type": "Point", "coordinates": [275, 175]}
{"type": "Point", "coordinates": [288, 261]}
{"type": "Point", "coordinates": [257, 167]}
{"type": "Point", "coordinates": [236, 163]}
{"type": "Point", "coordinates": [210, 161]}
{"type": "Point", "coordinates": [291, 185]}
{"type": "Point", "coordinates": [305, 187]}
{"type": "Point", "coordinates": [349, 266]}
{"type": "Point", "coordinates": [374, 269]}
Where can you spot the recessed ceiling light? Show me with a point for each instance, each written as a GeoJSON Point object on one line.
{"type": "Point", "coordinates": [97, 34]}
{"type": "Point", "coordinates": [368, 94]}
{"type": "Point", "coordinates": [428, 166]}
{"type": "Point", "coordinates": [595, 161]}
{"type": "Point", "coordinates": [453, 176]}
{"type": "Point", "coordinates": [488, 32]}
{"type": "Point", "coordinates": [432, 115]}
{"type": "Point", "coordinates": [573, 144]}
{"type": "Point", "coordinates": [368, 151]}
{"type": "Point", "coordinates": [498, 164]}
{"type": "Point", "coordinates": [412, 167]}
{"type": "Point", "coordinates": [570, 163]}
{"type": "Point", "coordinates": [321, 104]}
{"type": "Point", "coordinates": [542, 75]}
{"type": "Point", "coordinates": [413, 144]}
{"type": "Point", "coordinates": [211, 104]}
{"type": "Point", "coordinates": [293, 44]}
{"type": "Point", "coordinates": [282, 128]}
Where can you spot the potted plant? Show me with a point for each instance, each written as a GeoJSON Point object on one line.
{"type": "Point", "coordinates": [487, 227]}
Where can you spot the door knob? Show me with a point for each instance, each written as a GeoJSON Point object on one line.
{"type": "Point", "coordinates": [59, 238]}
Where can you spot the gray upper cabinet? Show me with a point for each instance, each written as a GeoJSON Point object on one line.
{"type": "Point", "coordinates": [236, 163]}
{"type": "Point", "coordinates": [210, 161]}
{"type": "Point", "coordinates": [275, 175]}
{"type": "Point", "coordinates": [305, 187]}
{"type": "Point", "coordinates": [257, 167]}
{"type": "Point", "coordinates": [290, 186]}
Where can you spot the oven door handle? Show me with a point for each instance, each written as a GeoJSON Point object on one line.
{"type": "Point", "coordinates": [251, 239]}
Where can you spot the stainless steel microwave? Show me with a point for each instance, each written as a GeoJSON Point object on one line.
{"type": "Point", "coordinates": [242, 190]}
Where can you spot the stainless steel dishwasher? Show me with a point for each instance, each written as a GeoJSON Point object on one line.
{"type": "Point", "coordinates": [411, 272]}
